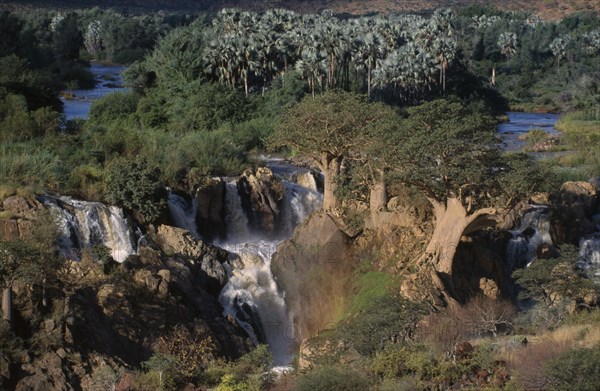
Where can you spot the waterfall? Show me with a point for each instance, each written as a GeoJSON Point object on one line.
{"type": "Point", "coordinates": [300, 202]}
{"type": "Point", "coordinates": [589, 256]}
{"type": "Point", "coordinates": [87, 224]}
{"type": "Point", "coordinates": [183, 213]}
{"type": "Point", "coordinates": [236, 219]}
{"type": "Point", "coordinates": [251, 288]}
{"type": "Point", "coordinates": [533, 232]}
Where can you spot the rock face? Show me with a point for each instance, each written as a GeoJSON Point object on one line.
{"type": "Point", "coordinates": [94, 319]}
{"type": "Point", "coordinates": [577, 203]}
{"type": "Point", "coordinates": [16, 217]}
{"type": "Point", "coordinates": [209, 198]}
{"type": "Point", "coordinates": [313, 269]}
{"type": "Point", "coordinates": [262, 195]}
{"type": "Point", "coordinates": [210, 259]}
{"type": "Point", "coordinates": [479, 266]}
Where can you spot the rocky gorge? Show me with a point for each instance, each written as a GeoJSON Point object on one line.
{"type": "Point", "coordinates": [220, 266]}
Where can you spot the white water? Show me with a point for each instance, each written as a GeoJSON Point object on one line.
{"type": "Point", "coordinates": [521, 249]}
{"type": "Point", "coordinates": [251, 283]}
{"type": "Point", "coordinates": [589, 256]}
{"type": "Point", "coordinates": [87, 224]}
{"type": "Point", "coordinates": [236, 219]}
{"type": "Point", "coordinates": [184, 213]}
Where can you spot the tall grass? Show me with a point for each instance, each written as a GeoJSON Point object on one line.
{"type": "Point", "coordinates": [24, 165]}
{"type": "Point", "coordinates": [581, 132]}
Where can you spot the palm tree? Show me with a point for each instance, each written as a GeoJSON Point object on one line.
{"type": "Point", "coordinates": [559, 48]}
{"type": "Point", "coordinates": [508, 44]}
{"type": "Point", "coordinates": [368, 55]}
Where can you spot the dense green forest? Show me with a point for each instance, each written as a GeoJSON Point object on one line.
{"type": "Point", "coordinates": [250, 67]}
{"type": "Point", "coordinates": [397, 104]}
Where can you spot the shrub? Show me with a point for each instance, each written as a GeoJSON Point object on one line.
{"type": "Point", "coordinates": [481, 316]}
{"type": "Point", "coordinates": [162, 373]}
{"type": "Point", "coordinates": [104, 378]}
{"type": "Point", "coordinates": [192, 350]}
{"type": "Point", "coordinates": [113, 106]}
{"type": "Point", "coordinates": [251, 372]}
{"type": "Point", "coordinates": [387, 318]}
{"type": "Point", "coordinates": [576, 369]}
{"type": "Point", "coordinates": [136, 186]}
{"type": "Point", "coordinates": [332, 378]}
{"type": "Point", "coordinates": [396, 361]}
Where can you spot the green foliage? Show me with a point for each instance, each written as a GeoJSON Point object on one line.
{"type": "Point", "coordinates": [332, 378]}
{"type": "Point", "coordinates": [19, 261]}
{"type": "Point", "coordinates": [370, 286]}
{"type": "Point", "coordinates": [161, 373]}
{"type": "Point", "coordinates": [113, 107]}
{"type": "Point", "coordinates": [577, 369]}
{"type": "Point", "coordinates": [28, 165]}
{"type": "Point", "coordinates": [136, 186]}
{"type": "Point", "coordinates": [251, 372]}
{"type": "Point", "coordinates": [397, 361]}
{"type": "Point", "coordinates": [386, 318]}
{"type": "Point", "coordinates": [547, 277]}
{"type": "Point", "coordinates": [334, 124]}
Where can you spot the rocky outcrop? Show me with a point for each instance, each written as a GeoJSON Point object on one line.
{"type": "Point", "coordinates": [480, 267]}
{"type": "Point", "coordinates": [95, 316]}
{"type": "Point", "coordinates": [17, 215]}
{"type": "Point", "coordinates": [262, 195]}
{"type": "Point", "coordinates": [576, 204]}
{"type": "Point", "coordinates": [210, 199]}
{"type": "Point", "coordinates": [210, 259]}
{"type": "Point", "coordinates": [313, 269]}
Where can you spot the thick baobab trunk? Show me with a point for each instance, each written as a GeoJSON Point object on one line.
{"type": "Point", "coordinates": [330, 166]}
{"type": "Point", "coordinates": [452, 222]}
{"type": "Point", "coordinates": [377, 194]}
{"type": "Point", "coordinates": [7, 304]}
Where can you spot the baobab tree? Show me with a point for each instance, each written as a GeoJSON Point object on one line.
{"type": "Point", "coordinates": [451, 156]}
{"type": "Point", "coordinates": [327, 129]}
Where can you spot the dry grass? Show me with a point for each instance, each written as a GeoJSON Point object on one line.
{"type": "Point", "coordinates": [527, 361]}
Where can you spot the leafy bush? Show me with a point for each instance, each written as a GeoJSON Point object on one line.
{"type": "Point", "coordinates": [387, 318]}
{"type": "Point", "coordinates": [162, 373]}
{"type": "Point", "coordinates": [332, 378]}
{"type": "Point", "coordinates": [576, 369]}
{"type": "Point", "coordinates": [251, 372]}
{"type": "Point", "coordinates": [545, 278]}
{"type": "Point", "coordinates": [113, 106]}
{"type": "Point", "coordinates": [136, 186]}
{"type": "Point", "coordinates": [192, 350]}
{"type": "Point", "coordinates": [397, 361]}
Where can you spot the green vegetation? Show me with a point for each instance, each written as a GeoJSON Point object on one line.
{"type": "Point", "coordinates": [577, 369]}
{"type": "Point", "coordinates": [581, 132]}
{"type": "Point", "coordinates": [378, 103]}
{"type": "Point", "coordinates": [136, 186]}
{"type": "Point", "coordinates": [332, 378]}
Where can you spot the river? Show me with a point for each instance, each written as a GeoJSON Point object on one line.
{"type": "Point", "coordinates": [108, 79]}
{"type": "Point", "coordinates": [520, 123]}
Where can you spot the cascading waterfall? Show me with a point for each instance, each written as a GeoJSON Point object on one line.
{"type": "Point", "coordinates": [183, 213]}
{"type": "Point", "coordinates": [251, 291]}
{"type": "Point", "coordinates": [589, 256]}
{"type": "Point", "coordinates": [87, 224]}
{"type": "Point", "coordinates": [533, 232]}
{"type": "Point", "coordinates": [251, 287]}
{"type": "Point", "coordinates": [236, 219]}
{"type": "Point", "coordinates": [300, 203]}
